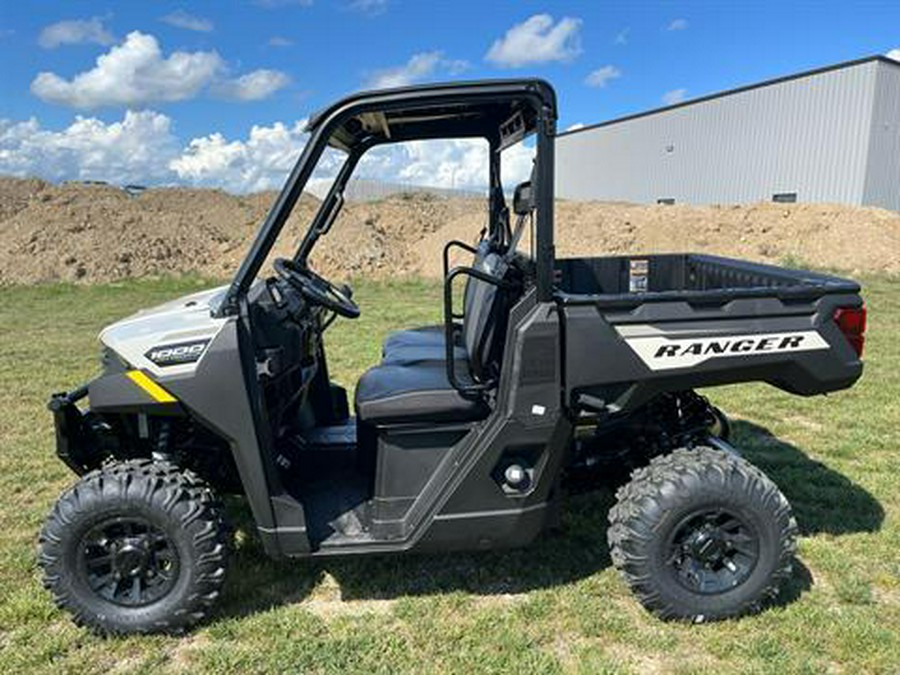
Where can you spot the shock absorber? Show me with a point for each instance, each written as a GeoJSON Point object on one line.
{"type": "Point", "coordinates": [161, 449]}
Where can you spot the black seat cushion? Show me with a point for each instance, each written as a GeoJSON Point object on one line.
{"type": "Point", "coordinates": [418, 345]}
{"type": "Point", "coordinates": [426, 336]}
{"type": "Point", "coordinates": [414, 393]}
{"type": "Point", "coordinates": [411, 355]}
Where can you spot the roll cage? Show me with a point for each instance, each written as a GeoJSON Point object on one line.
{"type": "Point", "coordinates": [502, 112]}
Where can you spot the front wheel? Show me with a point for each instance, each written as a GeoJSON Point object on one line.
{"type": "Point", "coordinates": [135, 547]}
{"type": "Point", "coordinates": [702, 535]}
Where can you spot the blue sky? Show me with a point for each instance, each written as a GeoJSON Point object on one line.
{"type": "Point", "coordinates": [180, 86]}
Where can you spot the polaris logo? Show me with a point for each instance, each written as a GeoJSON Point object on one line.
{"type": "Point", "coordinates": [171, 355]}
{"type": "Point", "coordinates": [663, 353]}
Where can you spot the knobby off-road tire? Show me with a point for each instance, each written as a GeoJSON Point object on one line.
{"type": "Point", "coordinates": [702, 535]}
{"type": "Point", "coordinates": [164, 533]}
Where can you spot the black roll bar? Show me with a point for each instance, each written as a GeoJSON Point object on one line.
{"type": "Point", "coordinates": [449, 328]}
{"type": "Point", "coordinates": [446, 257]}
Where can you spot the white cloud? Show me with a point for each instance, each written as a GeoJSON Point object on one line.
{"type": "Point", "coordinates": [369, 7]}
{"type": "Point", "coordinates": [444, 163]}
{"type": "Point", "coordinates": [181, 19]}
{"type": "Point", "coordinates": [277, 4]}
{"type": "Point", "coordinates": [265, 158]}
{"type": "Point", "coordinates": [537, 40]}
{"type": "Point", "coordinates": [419, 67]}
{"type": "Point", "coordinates": [674, 96]}
{"type": "Point", "coordinates": [622, 37]}
{"type": "Point", "coordinates": [253, 86]}
{"type": "Point", "coordinates": [894, 54]}
{"type": "Point", "coordinates": [136, 73]}
{"type": "Point", "coordinates": [455, 67]}
{"type": "Point", "coordinates": [75, 32]}
{"type": "Point", "coordinates": [135, 150]}
{"type": "Point", "coordinates": [260, 162]}
{"type": "Point", "coordinates": [142, 149]}
{"type": "Point", "coordinates": [575, 127]}
{"type": "Point", "coordinates": [602, 76]}
{"type": "Point", "coordinates": [678, 24]}
{"type": "Point", "coordinates": [278, 41]}
{"type": "Point", "coordinates": [133, 73]}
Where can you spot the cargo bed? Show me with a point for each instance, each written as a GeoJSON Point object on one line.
{"type": "Point", "coordinates": [682, 276]}
{"type": "Point", "coordinates": [636, 326]}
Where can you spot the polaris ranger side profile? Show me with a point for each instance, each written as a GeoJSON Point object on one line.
{"type": "Point", "coordinates": [546, 373]}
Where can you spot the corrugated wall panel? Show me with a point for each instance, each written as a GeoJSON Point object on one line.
{"type": "Point", "coordinates": [807, 135]}
{"type": "Point", "coordinates": [882, 186]}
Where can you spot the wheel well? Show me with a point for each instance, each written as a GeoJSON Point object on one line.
{"type": "Point", "coordinates": [180, 439]}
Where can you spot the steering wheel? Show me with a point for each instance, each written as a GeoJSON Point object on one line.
{"type": "Point", "coordinates": [314, 288]}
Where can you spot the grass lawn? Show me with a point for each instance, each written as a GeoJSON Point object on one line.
{"type": "Point", "coordinates": [555, 607]}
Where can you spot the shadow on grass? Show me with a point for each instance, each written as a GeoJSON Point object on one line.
{"type": "Point", "coordinates": [579, 550]}
{"type": "Point", "coordinates": [824, 501]}
{"type": "Point", "coordinates": [800, 581]}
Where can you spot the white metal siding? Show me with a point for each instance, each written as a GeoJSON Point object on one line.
{"type": "Point", "coordinates": [882, 186]}
{"type": "Point", "coordinates": [807, 135]}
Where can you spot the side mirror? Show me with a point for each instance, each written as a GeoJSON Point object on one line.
{"type": "Point", "coordinates": [523, 199]}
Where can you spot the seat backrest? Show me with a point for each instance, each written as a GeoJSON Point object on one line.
{"type": "Point", "coordinates": [484, 323]}
{"type": "Point", "coordinates": [486, 305]}
{"type": "Point", "coordinates": [481, 252]}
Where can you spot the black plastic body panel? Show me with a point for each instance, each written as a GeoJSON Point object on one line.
{"type": "Point", "coordinates": [223, 394]}
{"type": "Point", "coordinates": [116, 393]}
{"type": "Point", "coordinates": [436, 487]}
{"type": "Point", "coordinates": [406, 459]}
{"type": "Point", "coordinates": [73, 438]}
{"type": "Point", "coordinates": [701, 298]}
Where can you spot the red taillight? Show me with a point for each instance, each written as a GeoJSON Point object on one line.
{"type": "Point", "coordinates": [852, 322]}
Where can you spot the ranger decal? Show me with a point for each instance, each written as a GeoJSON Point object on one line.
{"type": "Point", "coordinates": [659, 352]}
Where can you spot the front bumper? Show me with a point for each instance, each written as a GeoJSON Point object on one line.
{"type": "Point", "coordinates": [74, 436]}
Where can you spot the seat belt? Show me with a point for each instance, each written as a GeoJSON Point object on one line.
{"type": "Point", "coordinates": [517, 235]}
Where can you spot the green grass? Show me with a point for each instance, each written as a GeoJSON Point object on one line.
{"type": "Point", "coordinates": [555, 607]}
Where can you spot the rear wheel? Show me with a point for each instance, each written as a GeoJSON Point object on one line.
{"type": "Point", "coordinates": [721, 425]}
{"type": "Point", "coordinates": [135, 547]}
{"type": "Point", "coordinates": [702, 535]}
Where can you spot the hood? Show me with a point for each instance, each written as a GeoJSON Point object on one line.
{"type": "Point", "coordinates": [166, 339]}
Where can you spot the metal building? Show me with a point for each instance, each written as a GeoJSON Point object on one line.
{"type": "Point", "coordinates": [827, 135]}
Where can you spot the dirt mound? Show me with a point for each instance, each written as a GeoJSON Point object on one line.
{"type": "Point", "coordinates": [100, 233]}
{"type": "Point", "coordinates": [17, 193]}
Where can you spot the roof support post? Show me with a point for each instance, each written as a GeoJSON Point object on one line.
{"type": "Point", "coordinates": [496, 201]}
{"type": "Point", "coordinates": [546, 254]}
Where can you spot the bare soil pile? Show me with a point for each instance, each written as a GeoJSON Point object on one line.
{"type": "Point", "coordinates": [100, 233]}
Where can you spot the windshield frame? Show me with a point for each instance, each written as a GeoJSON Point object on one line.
{"type": "Point", "coordinates": [536, 93]}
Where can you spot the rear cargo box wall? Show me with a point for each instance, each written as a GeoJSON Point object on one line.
{"type": "Point", "coordinates": [611, 275]}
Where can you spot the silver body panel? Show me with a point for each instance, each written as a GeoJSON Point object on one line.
{"type": "Point", "coordinates": [186, 319]}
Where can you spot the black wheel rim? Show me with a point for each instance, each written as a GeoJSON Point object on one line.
{"type": "Point", "coordinates": [712, 551]}
{"type": "Point", "coordinates": [128, 561]}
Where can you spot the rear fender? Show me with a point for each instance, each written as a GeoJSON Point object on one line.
{"type": "Point", "coordinates": [627, 357]}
